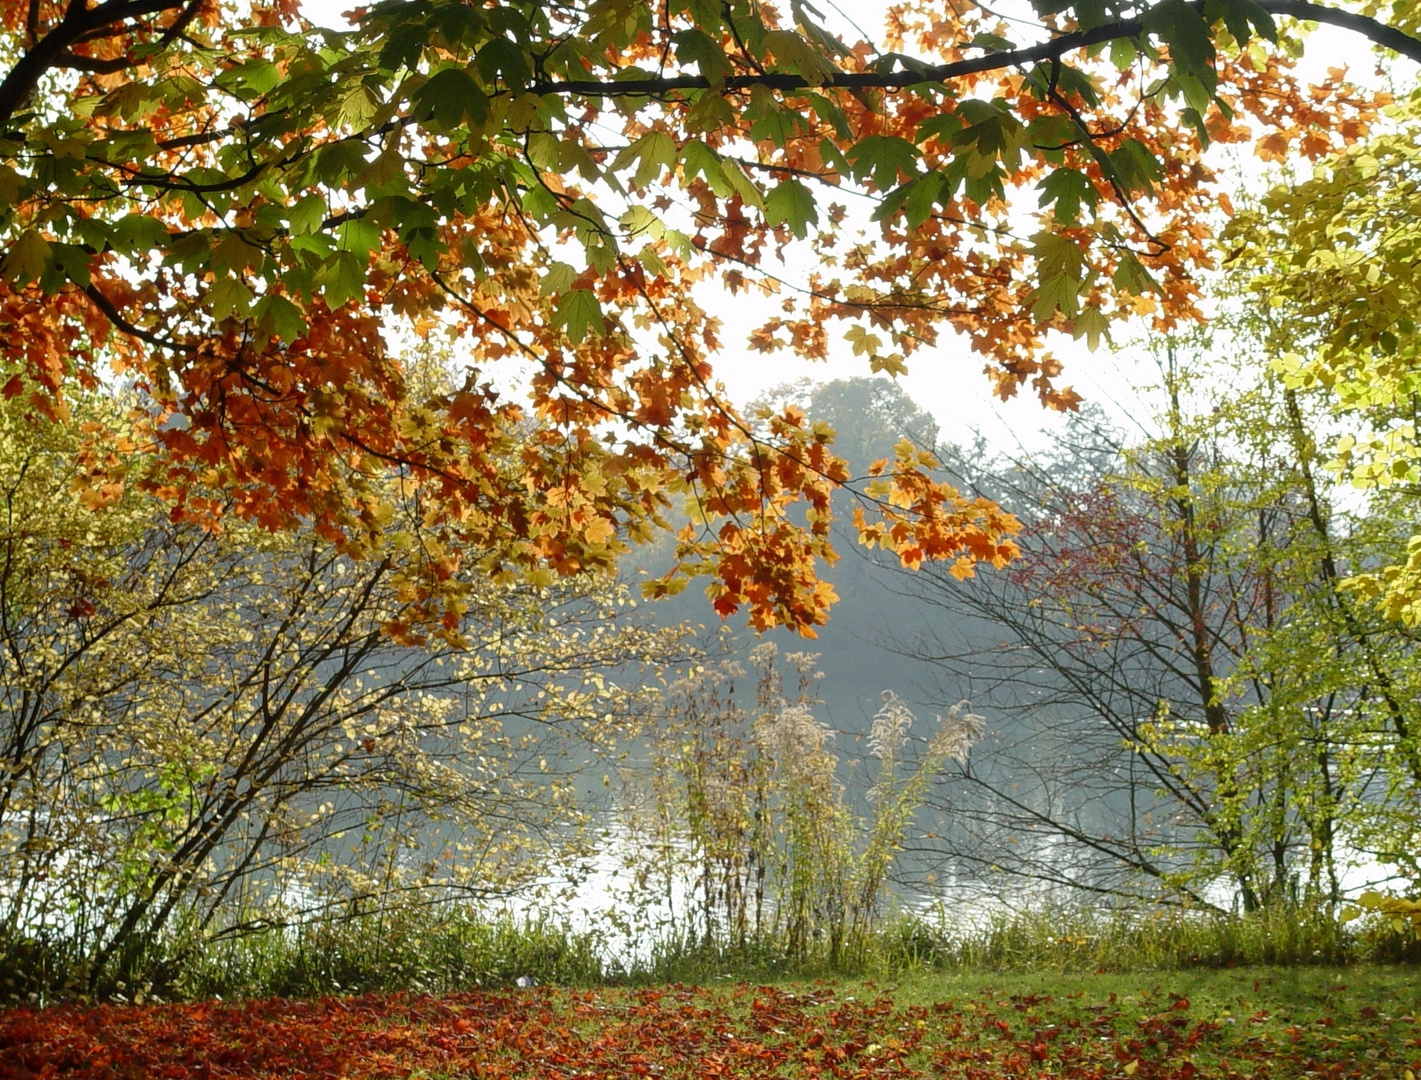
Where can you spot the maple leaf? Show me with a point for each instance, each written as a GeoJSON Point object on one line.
{"type": "Point", "coordinates": [26, 258]}
{"type": "Point", "coordinates": [289, 203]}
{"type": "Point", "coordinates": [793, 204]}
{"type": "Point", "coordinates": [579, 313]}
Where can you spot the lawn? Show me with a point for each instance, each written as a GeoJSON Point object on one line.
{"type": "Point", "coordinates": [1259, 1022]}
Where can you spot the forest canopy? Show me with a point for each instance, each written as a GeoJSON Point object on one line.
{"type": "Point", "coordinates": [257, 225]}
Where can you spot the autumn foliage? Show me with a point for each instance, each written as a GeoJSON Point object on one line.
{"type": "Point", "coordinates": [256, 223]}
{"type": "Point", "coordinates": [678, 1031]}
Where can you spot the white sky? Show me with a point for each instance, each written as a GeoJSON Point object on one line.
{"type": "Point", "coordinates": [948, 379]}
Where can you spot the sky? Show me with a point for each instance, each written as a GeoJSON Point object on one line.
{"type": "Point", "coordinates": [948, 380]}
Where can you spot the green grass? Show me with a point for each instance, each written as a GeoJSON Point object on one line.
{"type": "Point", "coordinates": [432, 950]}
{"type": "Point", "coordinates": [1355, 1023]}
{"type": "Point", "coordinates": [1066, 938]}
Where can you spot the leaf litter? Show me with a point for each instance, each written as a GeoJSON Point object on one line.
{"type": "Point", "coordinates": [739, 1031]}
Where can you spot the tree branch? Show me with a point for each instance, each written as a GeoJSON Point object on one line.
{"type": "Point", "coordinates": [104, 304]}
{"type": "Point", "coordinates": [50, 49]}
{"type": "Point", "coordinates": [1389, 37]}
{"type": "Point", "coordinates": [1380, 33]}
{"type": "Point", "coordinates": [865, 80]}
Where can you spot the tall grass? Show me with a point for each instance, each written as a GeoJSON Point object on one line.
{"type": "Point", "coordinates": [432, 949]}
{"type": "Point", "coordinates": [459, 948]}
{"type": "Point", "coordinates": [749, 805]}
{"type": "Point", "coordinates": [1065, 937]}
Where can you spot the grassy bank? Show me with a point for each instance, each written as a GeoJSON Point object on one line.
{"type": "Point", "coordinates": [1350, 1023]}
{"type": "Point", "coordinates": [456, 950]}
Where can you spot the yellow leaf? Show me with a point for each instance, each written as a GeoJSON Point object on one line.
{"type": "Point", "coordinates": [892, 363]}
{"type": "Point", "coordinates": [1130, 1068]}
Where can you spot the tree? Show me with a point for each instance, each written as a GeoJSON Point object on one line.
{"type": "Point", "coordinates": [247, 218]}
{"type": "Point", "coordinates": [202, 735]}
{"type": "Point", "coordinates": [1192, 704]}
{"type": "Point", "coordinates": [1335, 254]}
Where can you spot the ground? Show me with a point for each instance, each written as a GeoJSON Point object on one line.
{"type": "Point", "coordinates": [1285, 1023]}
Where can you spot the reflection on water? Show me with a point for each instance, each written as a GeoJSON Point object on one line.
{"type": "Point", "coordinates": [631, 896]}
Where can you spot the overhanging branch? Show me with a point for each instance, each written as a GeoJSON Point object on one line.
{"type": "Point", "coordinates": [917, 75]}
{"type": "Point", "coordinates": [927, 74]}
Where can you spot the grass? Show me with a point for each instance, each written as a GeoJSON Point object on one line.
{"type": "Point", "coordinates": [451, 950]}
{"type": "Point", "coordinates": [1072, 938]}
{"type": "Point", "coordinates": [1357, 1023]}
{"type": "Point", "coordinates": [429, 951]}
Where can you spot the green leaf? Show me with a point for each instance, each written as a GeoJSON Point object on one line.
{"type": "Point", "coordinates": [455, 24]}
{"type": "Point", "coordinates": [386, 172]}
{"type": "Point", "coordinates": [1055, 294]}
{"type": "Point", "coordinates": [73, 261]}
{"type": "Point", "coordinates": [796, 54]}
{"type": "Point", "coordinates": [923, 195]}
{"type": "Point", "coordinates": [1090, 13]}
{"type": "Point", "coordinates": [992, 130]}
{"type": "Point", "coordinates": [359, 235]}
{"type": "Point", "coordinates": [544, 150]}
{"type": "Point", "coordinates": [1135, 167]}
{"type": "Point", "coordinates": [10, 185]}
{"type": "Point", "coordinates": [740, 182]}
{"type": "Point", "coordinates": [1132, 276]}
{"type": "Point", "coordinates": [883, 157]}
{"type": "Point", "coordinates": [772, 121]}
{"type": "Point", "coordinates": [1195, 119]}
{"type": "Point", "coordinates": [991, 43]}
{"type": "Point", "coordinates": [1068, 189]}
{"type": "Point", "coordinates": [1123, 53]}
{"type": "Point", "coordinates": [426, 245]}
{"type": "Point", "coordinates": [131, 101]}
{"type": "Point", "coordinates": [134, 233]}
{"type": "Point", "coordinates": [539, 203]}
{"type": "Point", "coordinates": [1092, 325]}
{"type": "Point", "coordinates": [502, 57]}
{"type": "Point", "coordinates": [654, 151]}
{"type": "Point", "coordinates": [710, 113]}
{"type": "Point", "coordinates": [640, 221]}
{"type": "Point", "coordinates": [698, 159]}
{"type": "Point", "coordinates": [27, 258]}
{"type": "Point", "coordinates": [451, 95]}
{"type": "Point", "coordinates": [651, 261]}
{"type": "Point", "coordinates": [357, 107]}
{"type": "Point", "coordinates": [1191, 45]}
{"type": "Point", "coordinates": [558, 279]}
{"type": "Point", "coordinates": [828, 110]}
{"type": "Point", "coordinates": [405, 45]}
{"type": "Point", "coordinates": [257, 77]}
{"type": "Point", "coordinates": [229, 298]}
{"type": "Point", "coordinates": [579, 313]}
{"type": "Point", "coordinates": [339, 161]}
{"type": "Point", "coordinates": [942, 126]}
{"type": "Point", "coordinates": [1072, 81]}
{"type": "Point", "coordinates": [279, 316]}
{"type": "Point", "coordinates": [1060, 268]}
{"type": "Point", "coordinates": [792, 203]}
{"type": "Point", "coordinates": [697, 47]}
{"type": "Point", "coordinates": [1057, 255]}
{"type": "Point", "coordinates": [342, 279]}
{"type": "Point", "coordinates": [234, 252]}
{"type": "Point", "coordinates": [1242, 17]}
{"type": "Point", "coordinates": [308, 214]}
